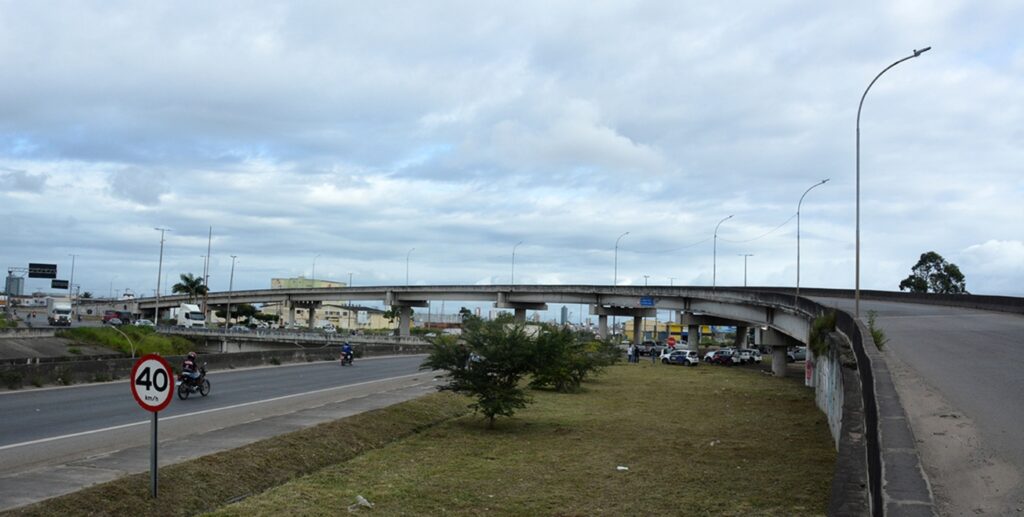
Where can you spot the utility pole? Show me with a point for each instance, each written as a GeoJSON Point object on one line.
{"type": "Point", "coordinates": [231, 287]}
{"type": "Point", "coordinates": [745, 255]}
{"type": "Point", "coordinates": [159, 272]}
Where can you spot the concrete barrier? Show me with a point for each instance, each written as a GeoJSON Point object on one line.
{"type": "Point", "coordinates": [104, 369]}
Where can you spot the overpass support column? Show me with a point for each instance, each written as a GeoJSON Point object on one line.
{"type": "Point", "coordinates": [291, 314]}
{"type": "Point", "coordinates": [520, 315]}
{"type": "Point", "coordinates": [693, 337]}
{"type": "Point", "coordinates": [779, 343]}
{"type": "Point", "coordinates": [311, 320]}
{"type": "Point", "coordinates": [404, 317]}
{"type": "Point", "coordinates": [741, 338]}
{"type": "Point", "coordinates": [602, 326]}
{"type": "Point", "coordinates": [638, 322]}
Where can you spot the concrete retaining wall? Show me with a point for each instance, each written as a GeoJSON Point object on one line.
{"type": "Point", "coordinates": [27, 332]}
{"type": "Point", "coordinates": [105, 369]}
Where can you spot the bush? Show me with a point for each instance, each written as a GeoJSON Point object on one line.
{"type": "Point", "coordinates": [145, 339]}
{"type": "Point", "coordinates": [73, 350]}
{"type": "Point", "coordinates": [62, 375]}
{"type": "Point", "coordinates": [488, 363]}
{"type": "Point", "coordinates": [275, 361]}
{"type": "Point", "coordinates": [562, 361]}
{"type": "Point", "coordinates": [13, 380]}
{"type": "Point", "coordinates": [820, 329]}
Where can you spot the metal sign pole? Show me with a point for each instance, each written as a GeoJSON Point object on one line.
{"type": "Point", "coordinates": [152, 458]}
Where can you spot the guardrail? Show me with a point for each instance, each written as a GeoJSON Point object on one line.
{"type": "Point", "coordinates": [290, 336]}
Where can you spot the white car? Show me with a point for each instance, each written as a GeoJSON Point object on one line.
{"type": "Point", "coordinates": [683, 357]}
{"type": "Point", "coordinates": [143, 323]}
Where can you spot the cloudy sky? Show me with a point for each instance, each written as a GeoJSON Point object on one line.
{"type": "Point", "coordinates": [348, 133]}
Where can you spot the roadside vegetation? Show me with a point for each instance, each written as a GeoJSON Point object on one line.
{"type": "Point", "coordinates": [642, 440]}
{"type": "Point", "coordinates": [144, 339]}
{"type": "Point", "coordinates": [5, 324]}
{"type": "Point", "coordinates": [877, 334]}
{"type": "Point", "coordinates": [491, 359]}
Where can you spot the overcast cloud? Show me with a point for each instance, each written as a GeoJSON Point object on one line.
{"type": "Point", "coordinates": [353, 132]}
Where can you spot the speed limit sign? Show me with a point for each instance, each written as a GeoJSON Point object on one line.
{"type": "Point", "coordinates": [152, 382]}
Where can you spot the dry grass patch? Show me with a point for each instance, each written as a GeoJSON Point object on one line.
{"type": "Point", "coordinates": [697, 441]}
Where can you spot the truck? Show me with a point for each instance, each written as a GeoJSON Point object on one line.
{"type": "Point", "coordinates": [189, 315]}
{"type": "Point", "coordinates": [58, 312]}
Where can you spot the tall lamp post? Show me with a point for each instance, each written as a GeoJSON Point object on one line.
{"type": "Point", "coordinates": [514, 262]}
{"type": "Point", "coordinates": [856, 298]}
{"type": "Point", "coordinates": [407, 265]}
{"type": "Point", "coordinates": [312, 275]}
{"type": "Point", "coordinates": [231, 288]}
{"type": "Point", "coordinates": [159, 272]}
{"type": "Point", "coordinates": [71, 283]}
{"type": "Point", "coordinates": [745, 255]}
{"type": "Point", "coordinates": [714, 256]}
{"type": "Point", "coordinates": [801, 202]}
{"type": "Point", "coordinates": [616, 277]}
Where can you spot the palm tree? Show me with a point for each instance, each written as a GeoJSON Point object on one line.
{"type": "Point", "coordinates": [190, 285]}
{"type": "Point", "coordinates": [87, 294]}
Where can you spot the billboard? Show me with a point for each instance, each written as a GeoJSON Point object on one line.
{"type": "Point", "coordinates": [42, 270]}
{"type": "Point", "coordinates": [58, 284]}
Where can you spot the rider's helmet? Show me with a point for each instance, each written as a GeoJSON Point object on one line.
{"type": "Point", "coordinates": [192, 356]}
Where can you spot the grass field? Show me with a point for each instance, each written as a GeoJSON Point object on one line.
{"type": "Point", "coordinates": [696, 441]}
{"type": "Point", "coordinates": [145, 340]}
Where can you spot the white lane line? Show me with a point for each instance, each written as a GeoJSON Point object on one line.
{"type": "Point", "coordinates": [205, 411]}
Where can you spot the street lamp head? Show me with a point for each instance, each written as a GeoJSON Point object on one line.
{"type": "Point", "coordinates": [922, 51]}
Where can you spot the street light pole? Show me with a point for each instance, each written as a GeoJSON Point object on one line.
{"type": "Point", "coordinates": [671, 281]}
{"type": "Point", "coordinates": [407, 266]}
{"type": "Point", "coordinates": [801, 202]}
{"type": "Point", "coordinates": [856, 298]}
{"type": "Point", "coordinates": [645, 279]}
{"type": "Point", "coordinates": [745, 255]}
{"type": "Point", "coordinates": [71, 284]}
{"type": "Point", "coordinates": [313, 273]}
{"type": "Point", "coordinates": [616, 278]}
{"type": "Point", "coordinates": [714, 257]}
{"type": "Point", "coordinates": [514, 262]}
{"type": "Point", "coordinates": [159, 271]}
{"type": "Point", "coordinates": [231, 288]}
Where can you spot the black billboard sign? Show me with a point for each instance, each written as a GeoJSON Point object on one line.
{"type": "Point", "coordinates": [58, 284]}
{"type": "Point", "coordinates": [42, 270]}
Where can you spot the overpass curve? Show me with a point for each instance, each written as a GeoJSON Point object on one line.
{"type": "Point", "coordinates": [958, 374]}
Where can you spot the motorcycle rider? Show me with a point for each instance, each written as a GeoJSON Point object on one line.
{"type": "Point", "coordinates": [189, 368]}
{"type": "Point", "coordinates": [346, 352]}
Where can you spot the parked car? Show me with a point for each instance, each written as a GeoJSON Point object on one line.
{"type": "Point", "coordinates": [115, 322]}
{"type": "Point", "coordinates": [683, 357]}
{"type": "Point", "coordinates": [796, 354]}
{"type": "Point", "coordinates": [648, 347]}
{"type": "Point", "coordinates": [124, 316]}
{"type": "Point", "coordinates": [724, 357]}
{"type": "Point", "coordinates": [143, 323]}
{"type": "Point", "coordinates": [239, 328]}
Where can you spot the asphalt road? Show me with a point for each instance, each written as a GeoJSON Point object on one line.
{"type": "Point", "coordinates": [972, 360]}
{"type": "Point", "coordinates": [47, 413]}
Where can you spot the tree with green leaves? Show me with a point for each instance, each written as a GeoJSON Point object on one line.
{"type": "Point", "coordinates": [564, 360]}
{"type": "Point", "coordinates": [86, 295]}
{"type": "Point", "coordinates": [933, 274]}
{"type": "Point", "coordinates": [191, 285]}
{"type": "Point", "coordinates": [488, 362]}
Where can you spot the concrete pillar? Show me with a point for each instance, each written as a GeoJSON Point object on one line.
{"type": "Point", "coordinates": [311, 319]}
{"type": "Point", "coordinates": [520, 315]}
{"type": "Point", "coordinates": [741, 338]}
{"type": "Point", "coordinates": [291, 314]}
{"type": "Point", "coordinates": [404, 317]}
{"type": "Point", "coordinates": [637, 328]}
{"type": "Point", "coordinates": [779, 360]}
{"type": "Point", "coordinates": [602, 326]}
{"type": "Point", "coordinates": [693, 338]}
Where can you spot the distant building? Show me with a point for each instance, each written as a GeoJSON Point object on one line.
{"type": "Point", "coordinates": [565, 315]}
{"type": "Point", "coordinates": [350, 317]}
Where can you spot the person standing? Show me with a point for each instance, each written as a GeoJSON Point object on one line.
{"type": "Point", "coordinates": [630, 351]}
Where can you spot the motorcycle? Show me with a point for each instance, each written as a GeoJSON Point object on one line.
{"type": "Point", "coordinates": [346, 358]}
{"type": "Point", "coordinates": [187, 385]}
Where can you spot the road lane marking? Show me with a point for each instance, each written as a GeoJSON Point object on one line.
{"type": "Point", "coordinates": [205, 411]}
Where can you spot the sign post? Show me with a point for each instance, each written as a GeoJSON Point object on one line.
{"type": "Point", "coordinates": [152, 384]}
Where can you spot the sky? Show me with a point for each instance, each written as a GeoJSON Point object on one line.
{"type": "Point", "coordinates": [362, 138]}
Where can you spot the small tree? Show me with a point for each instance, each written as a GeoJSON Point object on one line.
{"type": "Point", "coordinates": [933, 274]}
{"type": "Point", "coordinates": [487, 363]}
